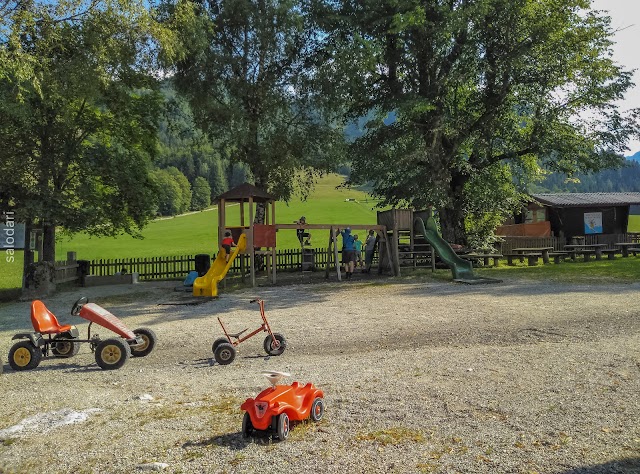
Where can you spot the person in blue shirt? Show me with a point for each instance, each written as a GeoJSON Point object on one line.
{"type": "Point", "coordinates": [348, 252]}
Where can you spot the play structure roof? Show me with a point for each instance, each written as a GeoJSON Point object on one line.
{"type": "Point", "coordinates": [245, 191]}
{"type": "Point", "coordinates": [587, 199]}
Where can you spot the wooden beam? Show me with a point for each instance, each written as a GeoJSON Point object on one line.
{"type": "Point", "coordinates": [252, 253]}
{"type": "Point", "coordinates": [331, 226]}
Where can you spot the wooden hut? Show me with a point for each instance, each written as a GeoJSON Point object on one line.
{"type": "Point", "coordinates": [260, 229]}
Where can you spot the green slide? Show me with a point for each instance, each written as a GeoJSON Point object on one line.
{"type": "Point", "coordinates": [462, 269]}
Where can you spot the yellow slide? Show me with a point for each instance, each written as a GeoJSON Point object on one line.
{"type": "Point", "coordinates": [208, 285]}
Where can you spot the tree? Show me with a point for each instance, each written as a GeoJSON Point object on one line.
{"type": "Point", "coordinates": [168, 198]}
{"type": "Point", "coordinates": [78, 117]}
{"type": "Point", "coordinates": [243, 66]}
{"type": "Point", "coordinates": [201, 198]}
{"type": "Point", "coordinates": [484, 94]}
{"type": "Point", "coordinates": [181, 180]}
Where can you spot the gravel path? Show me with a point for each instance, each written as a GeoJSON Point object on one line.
{"type": "Point", "coordinates": [519, 377]}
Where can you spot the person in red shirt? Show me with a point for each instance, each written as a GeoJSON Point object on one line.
{"type": "Point", "coordinates": [227, 243]}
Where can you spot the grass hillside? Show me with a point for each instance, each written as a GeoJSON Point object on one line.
{"type": "Point", "coordinates": [196, 233]}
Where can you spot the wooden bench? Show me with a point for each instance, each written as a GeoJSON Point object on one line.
{"type": "Point", "coordinates": [634, 250]}
{"type": "Point", "coordinates": [610, 253]}
{"type": "Point", "coordinates": [558, 257]}
{"type": "Point", "coordinates": [532, 258]}
{"type": "Point", "coordinates": [585, 254]}
{"type": "Point", "coordinates": [485, 257]}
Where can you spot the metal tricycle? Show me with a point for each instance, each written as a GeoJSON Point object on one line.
{"type": "Point", "coordinates": [63, 341]}
{"type": "Point", "coordinates": [224, 348]}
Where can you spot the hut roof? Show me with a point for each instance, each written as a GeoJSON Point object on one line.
{"type": "Point", "coordinates": [243, 192]}
{"type": "Point", "coordinates": [587, 199]}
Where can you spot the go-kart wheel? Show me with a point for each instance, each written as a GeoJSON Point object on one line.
{"type": "Point", "coordinates": [247, 426]}
{"type": "Point", "coordinates": [317, 409]}
{"type": "Point", "coordinates": [112, 353]}
{"type": "Point", "coordinates": [224, 353]}
{"type": "Point", "coordinates": [149, 342]}
{"type": "Point", "coordinates": [217, 342]}
{"type": "Point", "coordinates": [64, 348]}
{"type": "Point", "coordinates": [77, 306]}
{"type": "Point", "coordinates": [270, 347]}
{"type": "Point", "coordinates": [283, 426]}
{"type": "Point", "coordinates": [24, 356]}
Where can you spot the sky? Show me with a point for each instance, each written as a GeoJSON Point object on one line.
{"type": "Point", "coordinates": [625, 17]}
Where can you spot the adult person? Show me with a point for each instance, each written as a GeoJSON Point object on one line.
{"type": "Point", "coordinates": [348, 251]}
{"type": "Point", "coordinates": [369, 250]}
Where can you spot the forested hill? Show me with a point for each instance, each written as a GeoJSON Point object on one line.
{"type": "Point", "coordinates": [626, 179]}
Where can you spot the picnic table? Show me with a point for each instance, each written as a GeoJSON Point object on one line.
{"type": "Point", "coordinates": [534, 252]}
{"type": "Point", "coordinates": [586, 250]}
{"type": "Point", "coordinates": [626, 247]}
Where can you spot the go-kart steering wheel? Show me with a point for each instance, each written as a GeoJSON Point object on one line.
{"type": "Point", "coordinates": [77, 306]}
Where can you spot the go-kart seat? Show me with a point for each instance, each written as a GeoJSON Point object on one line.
{"type": "Point", "coordinates": [44, 321]}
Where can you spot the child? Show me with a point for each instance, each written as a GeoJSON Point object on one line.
{"type": "Point", "coordinates": [357, 243]}
{"type": "Point", "coordinates": [227, 243]}
{"type": "Point", "coordinates": [302, 235]}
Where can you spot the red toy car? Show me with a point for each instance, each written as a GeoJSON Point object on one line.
{"type": "Point", "coordinates": [274, 408]}
{"type": "Point", "coordinates": [64, 340]}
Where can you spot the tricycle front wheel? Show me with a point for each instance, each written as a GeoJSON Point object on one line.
{"type": "Point", "coordinates": [112, 353]}
{"type": "Point", "coordinates": [275, 345]}
{"type": "Point", "coordinates": [24, 355]}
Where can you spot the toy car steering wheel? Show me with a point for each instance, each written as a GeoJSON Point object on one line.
{"type": "Point", "coordinates": [274, 377]}
{"type": "Point", "coordinates": [77, 306]}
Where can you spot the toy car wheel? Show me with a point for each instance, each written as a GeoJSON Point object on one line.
{"type": "Point", "coordinates": [317, 409]}
{"type": "Point", "coordinates": [112, 353]}
{"type": "Point", "coordinates": [149, 342]}
{"type": "Point", "coordinates": [217, 342]}
{"type": "Point", "coordinates": [224, 353]}
{"type": "Point", "coordinates": [24, 356]}
{"type": "Point", "coordinates": [247, 426]}
{"type": "Point", "coordinates": [64, 348]}
{"type": "Point", "coordinates": [271, 348]}
{"type": "Point", "coordinates": [284, 425]}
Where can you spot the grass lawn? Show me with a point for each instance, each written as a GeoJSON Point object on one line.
{"type": "Point", "coordinates": [634, 224]}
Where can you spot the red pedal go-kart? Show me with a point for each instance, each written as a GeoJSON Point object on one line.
{"type": "Point", "coordinates": [63, 341]}
{"type": "Point", "coordinates": [224, 348]}
{"type": "Point", "coordinates": [273, 410]}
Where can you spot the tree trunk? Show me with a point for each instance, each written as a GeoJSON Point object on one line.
{"type": "Point", "coordinates": [49, 243]}
{"type": "Point", "coordinates": [452, 215]}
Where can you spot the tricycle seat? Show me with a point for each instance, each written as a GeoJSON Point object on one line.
{"type": "Point", "coordinates": [237, 335]}
{"type": "Point", "coordinates": [44, 321]}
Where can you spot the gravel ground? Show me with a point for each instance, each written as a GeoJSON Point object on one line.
{"type": "Point", "coordinates": [519, 377]}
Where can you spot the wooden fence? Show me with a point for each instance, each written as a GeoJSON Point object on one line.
{"type": "Point", "coordinates": [148, 268]}
{"type": "Point", "coordinates": [66, 271]}
{"type": "Point", "coordinates": [177, 267]}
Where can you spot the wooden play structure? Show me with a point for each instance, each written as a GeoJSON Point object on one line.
{"type": "Point", "coordinates": [261, 238]}
{"type": "Point", "coordinates": [406, 246]}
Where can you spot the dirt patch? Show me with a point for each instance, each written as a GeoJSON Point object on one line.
{"type": "Point", "coordinates": [419, 377]}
